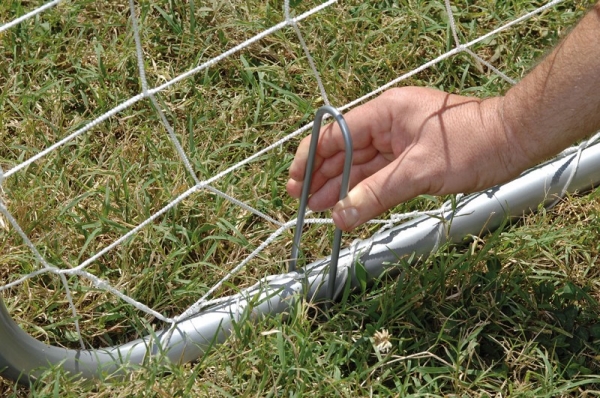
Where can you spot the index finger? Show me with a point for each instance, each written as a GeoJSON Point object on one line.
{"type": "Point", "coordinates": [365, 122]}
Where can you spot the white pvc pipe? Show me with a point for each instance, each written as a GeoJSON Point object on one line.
{"type": "Point", "coordinates": [22, 357]}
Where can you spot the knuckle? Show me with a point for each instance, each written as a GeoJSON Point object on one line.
{"type": "Point", "coordinates": [377, 201]}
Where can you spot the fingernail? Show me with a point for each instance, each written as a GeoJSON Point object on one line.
{"type": "Point", "coordinates": [349, 217]}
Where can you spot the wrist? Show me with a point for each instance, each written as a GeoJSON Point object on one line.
{"type": "Point", "coordinates": [514, 148]}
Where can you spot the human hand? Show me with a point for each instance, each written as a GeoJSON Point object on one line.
{"type": "Point", "coordinates": [407, 142]}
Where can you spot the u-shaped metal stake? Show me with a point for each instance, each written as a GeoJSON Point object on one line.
{"type": "Point", "coordinates": [337, 237]}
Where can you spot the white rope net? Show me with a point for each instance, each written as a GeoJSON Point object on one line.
{"type": "Point", "coordinates": [258, 230]}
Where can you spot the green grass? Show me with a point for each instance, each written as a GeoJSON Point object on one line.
{"type": "Point", "coordinates": [513, 314]}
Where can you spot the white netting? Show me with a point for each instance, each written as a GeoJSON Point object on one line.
{"type": "Point", "coordinates": [151, 96]}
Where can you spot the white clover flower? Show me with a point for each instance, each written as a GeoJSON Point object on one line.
{"type": "Point", "coordinates": [381, 341]}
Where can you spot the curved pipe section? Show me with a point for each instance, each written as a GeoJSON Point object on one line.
{"type": "Point", "coordinates": [23, 358]}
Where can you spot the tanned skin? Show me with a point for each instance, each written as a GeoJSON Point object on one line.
{"type": "Point", "coordinates": [412, 140]}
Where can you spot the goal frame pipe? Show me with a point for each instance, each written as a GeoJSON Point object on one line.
{"type": "Point", "coordinates": [23, 358]}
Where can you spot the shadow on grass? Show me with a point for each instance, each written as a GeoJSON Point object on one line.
{"type": "Point", "coordinates": [476, 319]}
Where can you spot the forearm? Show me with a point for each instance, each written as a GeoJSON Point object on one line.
{"type": "Point", "coordinates": [559, 101]}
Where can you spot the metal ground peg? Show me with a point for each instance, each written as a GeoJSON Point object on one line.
{"type": "Point", "coordinates": [337, 237]}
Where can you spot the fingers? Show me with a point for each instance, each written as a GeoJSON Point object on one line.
{"type": "Point", "coordinates": [329, 194]}
{"type": "Point", "coordinates": [366, 123]}
{"type": "Point", "coordinates": [376, 194]}
{"type": "Point", "coordinates": [332, 169]}
{"type": "Point", "coordinates": [298, 166]}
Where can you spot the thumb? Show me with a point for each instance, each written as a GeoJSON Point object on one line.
{"type": "Point", "coordinates": [373, 196]}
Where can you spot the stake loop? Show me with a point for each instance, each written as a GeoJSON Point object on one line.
{"type": "Point", "coordinates": [337, 237]}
